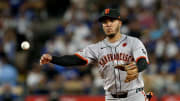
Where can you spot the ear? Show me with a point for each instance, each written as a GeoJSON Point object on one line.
{"type": "Point", "coordinates": [120, 22]}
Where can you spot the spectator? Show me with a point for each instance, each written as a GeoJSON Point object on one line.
{"type": "Point", "coordinates": [7, 94]}
{"type": "Point", "coordinates": [134, 28]}
{"type": "Point", "coordinates": [36, 80]}
{"type": "Point", "coordinates": [166, 47]}
{"type": "Point", "coordinates": [34, 77]}
{"type": "Point", "coordinates": [8, 73]}
{"type": "Point", "coordinates": [175, 64]}
{"type": "Point", "coordinates": [9, 43]}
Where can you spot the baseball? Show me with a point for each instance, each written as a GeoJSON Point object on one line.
{"type": "Point", "coordinates": [25, 45]}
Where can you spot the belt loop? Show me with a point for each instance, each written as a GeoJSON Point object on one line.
{"type": "Point", "coordinates": [139, 89]}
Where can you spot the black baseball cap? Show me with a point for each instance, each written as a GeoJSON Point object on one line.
{"type": "Point", "coordinates": [109, 12]}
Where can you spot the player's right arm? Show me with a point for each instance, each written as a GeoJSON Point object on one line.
{"type": "Point", "coordinates": [82, 57]}
{"type": "Point", "coordinates": [66, 60]}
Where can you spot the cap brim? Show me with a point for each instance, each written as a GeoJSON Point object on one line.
{"type": "Point", "coordinates": [102, 18]}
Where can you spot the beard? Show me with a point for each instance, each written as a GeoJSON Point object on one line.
{"type": "Point", "coordinates": [114, 34]}
{"type": "Point", "coordinates": [111, 35]}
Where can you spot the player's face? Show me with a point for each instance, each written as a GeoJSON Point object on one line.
{"type": "Point", "coordinates": [111, 26]}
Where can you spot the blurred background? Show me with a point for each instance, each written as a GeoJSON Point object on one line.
{"type": "Point", "coordinates": [63, 27]}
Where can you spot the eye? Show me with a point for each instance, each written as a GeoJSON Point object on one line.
{"type": "Point", "coordinates": [112, 19]}
{"type": "Point", "coordinates": [103, 22]}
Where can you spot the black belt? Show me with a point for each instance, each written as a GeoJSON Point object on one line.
{"type": "Point", "coordinates": [125, 94]}
{"type": "Point", "coordinates": [120, 95]}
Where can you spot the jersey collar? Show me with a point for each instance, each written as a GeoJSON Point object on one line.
{"type": "Point", "coordinates": [117, 43]}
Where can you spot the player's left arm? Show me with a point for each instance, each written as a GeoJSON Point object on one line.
{"type": "Point", "coordinates": [141, 59]}
{"type": "Point", "coordinates": [141, 64]}
{"type": "Point", "coordinates": [140, 55]}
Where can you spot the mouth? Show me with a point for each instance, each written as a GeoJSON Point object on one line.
{"type": "Point", "coordinates": [109, 30]}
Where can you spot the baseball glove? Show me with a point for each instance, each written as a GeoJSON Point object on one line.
{"type": "Point", "coordinates": [131, 69]}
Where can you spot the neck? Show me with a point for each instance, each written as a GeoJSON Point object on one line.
{"type": "Point", "coordinates": [114, 38]}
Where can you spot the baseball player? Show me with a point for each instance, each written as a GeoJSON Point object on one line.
{"type": "Point", "coordinates": [121, 60]}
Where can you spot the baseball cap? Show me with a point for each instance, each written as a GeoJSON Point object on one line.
{"type": "Point", "coordinates": [109, 12]}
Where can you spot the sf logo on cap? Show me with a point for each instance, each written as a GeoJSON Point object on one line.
{"type": "Point", "coordinates": [107, 11]}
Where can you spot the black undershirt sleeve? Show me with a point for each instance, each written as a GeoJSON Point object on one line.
{"type": "Point", "coordinates": [68, 60]}
{"type": "Point", "coordinates": [73, 60]}
{"type": "Point", "coordinates": [142, 64]}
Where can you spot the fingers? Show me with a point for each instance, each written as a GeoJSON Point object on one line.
{"type": "Point", "coordinates": [130, 66]}
{"type": "Point", "coordinates": [45, 59]}
{"type": "Point", "coordinates": [121, 67]}
{"type": "Point", "coordinates": [132, 71]}
{"type": "Point", "coordinates": [130, 78]}
{"type": "Point", "coordinates": [125, 67]}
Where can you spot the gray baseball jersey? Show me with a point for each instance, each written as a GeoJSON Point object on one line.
{"type": "Point", "coordinates": [108, 55]}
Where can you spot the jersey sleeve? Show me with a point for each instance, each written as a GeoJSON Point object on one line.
{"type": "Point", "coordinates": [89, 54]}
{"type": "Point", "coordinates": [139, 50]}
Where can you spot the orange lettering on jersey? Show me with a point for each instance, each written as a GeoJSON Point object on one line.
{"type": "Point", "coordinates": [117, 56]}
{"type": "Point", "coordinates": [126, 57]}
{"type": "Point", "coordinates": [101, 63]}
{"type": "Point", "coordinates": [106, 60]}
{"type": "Point", "coordinates": [114, 57]}
{"type": "Point", "coordinates": [120, 56]}
{"type": "Point", "coordinates": [109, 57]}
{"type": "Point", "coordinates": [129, 58]}
{"type": "Point", "coordinates": [123, 57]}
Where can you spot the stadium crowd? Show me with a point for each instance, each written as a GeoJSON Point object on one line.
{"type": "Point", "coordinates": [65, 27]}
